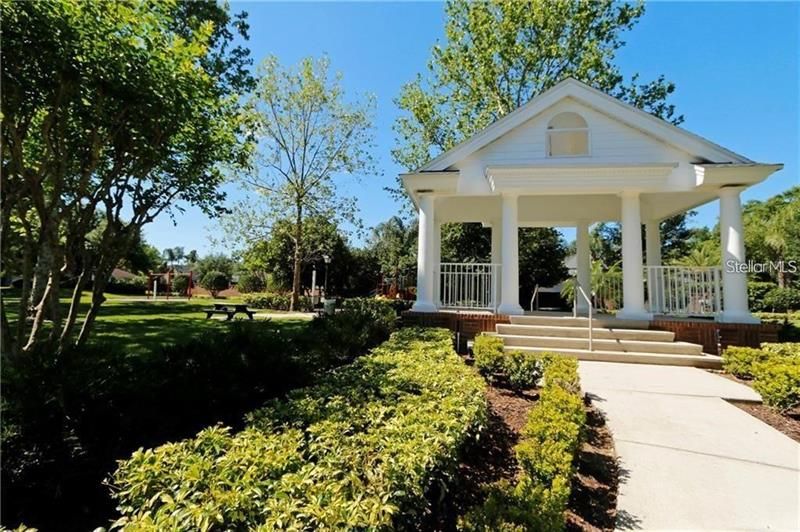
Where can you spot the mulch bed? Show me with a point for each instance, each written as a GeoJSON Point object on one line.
{"type": "Point", "coordinates": [786, 422]}
{"type": "Point", "coordinates": [491, 459]}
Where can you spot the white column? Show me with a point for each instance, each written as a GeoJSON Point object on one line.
{"type": "Point", "coordinates": [437, 260]}
{"type": "Point", "coordinates": [653, 236]}
{"type": "Point", "coordinates": [655, 277]}
{"type": "Point", "coordinates": [425, 256]}
{"type": "Point", "coordinates": [509, 300]}
{"type": "Point", "coordinates": [632, 278]}
{"type": "Point", "coordinates": [734, 279]}
{"type": "Point", "coordinates": [584, 263]}
{"type": "Point", "coordinates": [497, 257]}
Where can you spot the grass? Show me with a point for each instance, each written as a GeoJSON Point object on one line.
{"type": "Point", "coordinates": [134, 323]}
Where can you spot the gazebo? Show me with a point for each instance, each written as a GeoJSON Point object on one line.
{"type": "Point", "coordinates": [571, 157]}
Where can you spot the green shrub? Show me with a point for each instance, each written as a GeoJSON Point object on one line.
{"type": "Point", "coordinates": [782, 299]}
{"type": "Point", "coordinates": [277, 301]}
{"type": "Point", "coordinates": [778, 382]}
{"type": "Point", "coordinates": [740, 361]}
{"type": "Point", "coordinates": [546, 454]}
{"type": "Point", "coordinates": [249, 283]}
{"type": "Point", "coordinates": [783, 349]}
{"type": "Point", "coordinates": [215, 282]}
{"type": "Point", "coordinates": [561, 371]}
{"type": "Point", "coordinates": [359, 450]}
{"type": "Point", "coordinates": [133, 285]}
{"type": "Point", "coordinates": [489, 355]}
{"type": "Point", "coordinates": [180, 284]}
{"type": "Point", "coordinates": [522, 369]}
{"type": "Point", "coordinates": [756, 292]}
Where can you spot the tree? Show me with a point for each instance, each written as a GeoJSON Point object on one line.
{"type": "Point", "coordinates": [119, 109]}
{"type": "Point", "coordinates": [676, 239]}
{"type": "Point", "coordinates": [309, 137]}
{"type": "Point", "coordinates": [215, 282]}
{"type": "Point", "coordinates": [276, 255]}
{"type": "Point", "coordinates": [394, 245]}
{"type": "Point", "coordinates": [542, 251]}
{"type": "Point", "coordinates": [466, 242]}
{"type": "Point", "coordinates": [498, 55]}
{"type": "Point", "coordinates": [214, 262]}
{"type": "Point", "coordinates": [772, 231]}
{"type": "Point", "coordinates": [606, 243]}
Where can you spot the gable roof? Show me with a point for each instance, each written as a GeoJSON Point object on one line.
{"type": "Point", "coordinates": [600, 101]}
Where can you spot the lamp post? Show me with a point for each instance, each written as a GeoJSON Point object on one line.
{"type": "Point", "coordinates": [327, 259]}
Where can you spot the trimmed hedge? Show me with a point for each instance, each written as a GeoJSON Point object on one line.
{"type": "Point", "coordinates": [774, 368]}
{"type": "Point", "coordinates": [488, 353]}
{"type": "Point", "coordinates": [358, 450]}
{"type": "Point", "coordinates": [276, 301]}
{"type": "Point", "coordinates": [546, 453]}
{"type": "Point", "coordinates": [521, 370]}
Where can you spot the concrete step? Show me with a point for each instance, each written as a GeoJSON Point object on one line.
{"type": "Point", "coordinates": [634, 346]}
{"type": "Point", "coordinates": [698, 361]}
{"type": "Point", "coordinates": [569, 321]}
{"type": "Point", "coordinates": [604, 333]}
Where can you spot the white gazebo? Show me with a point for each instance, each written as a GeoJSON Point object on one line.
{"type": "Point", "coordinates": [574, 156]}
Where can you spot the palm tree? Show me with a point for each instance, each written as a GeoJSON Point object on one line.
{"type": "Point", "coordinates": [707, 254]}
{"type": "Point", "coordinates": [169, 256]}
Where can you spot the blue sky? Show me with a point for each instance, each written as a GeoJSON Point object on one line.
{"type": "Point", "coordinates": [735, 66]}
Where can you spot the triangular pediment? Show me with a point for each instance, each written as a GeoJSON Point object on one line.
{"type": "Point", "coordinates": [613, 124]}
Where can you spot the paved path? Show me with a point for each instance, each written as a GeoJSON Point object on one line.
{"type": "Point", "coordinates": [689, 459]}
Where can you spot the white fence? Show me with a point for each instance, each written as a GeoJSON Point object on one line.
{"type": "Point", "coordinates": [684, 291]}
{"type": "Point", "coordinates": [468, 285]}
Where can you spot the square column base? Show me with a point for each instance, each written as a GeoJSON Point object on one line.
{"type": "Point", "coordinates": [510, 309]}
{"type": "Point", "coordinates": [737, 317]}
{"type": "Point", "coordinates": [424, 306]}
{"type": "Point", "coordinates": [634, 315]}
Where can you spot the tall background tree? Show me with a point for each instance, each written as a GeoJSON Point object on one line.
{"type": "Point", "coordinates": [310, 136]}
{"type": "Point", "coordinates": [497, 55]}
{"type": "Point", "coordinates": [394, 245]}
{"type": "Point", "coordinates": [122, 109]}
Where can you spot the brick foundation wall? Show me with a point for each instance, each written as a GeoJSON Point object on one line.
{"type": "Point", "coordinates": [466, 325]}
{"type": "Point", "coordinates": [715, 336]}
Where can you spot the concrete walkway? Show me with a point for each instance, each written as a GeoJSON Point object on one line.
{"type": "Point", "coordinates": [689, 459]}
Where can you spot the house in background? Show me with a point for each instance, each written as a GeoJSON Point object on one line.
{"type": "Point", "coordinates": [571, 157]}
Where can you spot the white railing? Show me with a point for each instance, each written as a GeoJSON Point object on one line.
{"type": "Point", "coordinates": [684, 290]}
{"type": "Point", "coordinates": [581, 293]}
{"type": "Point", "coordinates": [468, 285]}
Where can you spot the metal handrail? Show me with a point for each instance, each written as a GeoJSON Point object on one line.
{"type": "Point", "coordinates": [579, 290]}
{"type": "Point", "coordinates": [534, 297]}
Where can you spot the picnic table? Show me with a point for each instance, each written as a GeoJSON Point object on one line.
{"type": "Point", "coordinates": [229, 310]}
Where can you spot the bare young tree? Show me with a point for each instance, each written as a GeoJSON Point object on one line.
{"type": "Point", "coordinates": [309, 137]}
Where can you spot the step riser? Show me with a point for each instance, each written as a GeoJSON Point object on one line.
{"type": "Point", "coordinates": [605, 345]}
{"type": "Point", "coordinates": [564, 332]}
{"type": "Point", "coordinates": [641, 358]}
{"type": "Point", "coordinates": [559, 321]}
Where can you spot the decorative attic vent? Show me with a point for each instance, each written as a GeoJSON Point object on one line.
{"type": "Point", "coordinates": [567, 136]}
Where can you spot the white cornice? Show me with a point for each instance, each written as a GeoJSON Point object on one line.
{"type": "Point", "coordinates": [578, 178]}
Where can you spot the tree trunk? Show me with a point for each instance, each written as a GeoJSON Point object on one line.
{"type": "Point", "coordinates": [781, 278]}
{"type": "Point", "coordinates": [72, 316]}
{"type": "Point", "coordinates": [98, 298]}
{"type": "Point", "coordinates": [298, 240]}
{"type": "Point", "coordinates": [39, 314]}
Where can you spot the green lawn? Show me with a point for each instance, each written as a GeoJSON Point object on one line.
{"type": "Point", "coordinates": [134, 322]}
